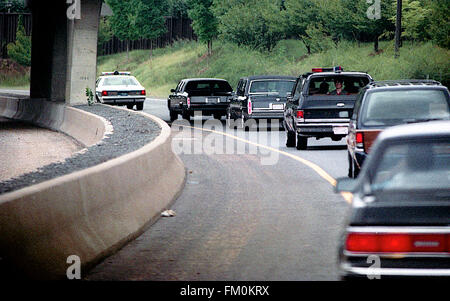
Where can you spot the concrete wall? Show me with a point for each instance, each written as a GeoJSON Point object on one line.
{"type": "Point", "coordinates": [89, 213]}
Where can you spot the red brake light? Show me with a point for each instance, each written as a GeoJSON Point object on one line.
{"type": "Point", "coordinates": [188, 102]}
{"type": "Point", "coordinates": [359, 138]}
{"type": "Point", "coordinates": [317, 70]}
{"type": "Point", "coordinates": [249, 106]}
{"type": "Point", "coordinates": [143, 92]}
{"type": "Point", "coordinates": [104, 93]}
{"type": "Point", "coordinates": [397, 243]}
{"type": "Point", "coordinates": [300, 114]}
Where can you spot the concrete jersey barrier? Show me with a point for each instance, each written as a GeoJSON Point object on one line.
{"type": "Point", "coordinates": [89, 213]}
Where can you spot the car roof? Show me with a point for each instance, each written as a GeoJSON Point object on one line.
{"type": "Point", "coordinates": [405, 84]}
{"type": "Point", "coordinates": [256, 77]}
{"type": "Point", "coordinates": [311, 74]}
{"type": "Point", "coordinates": [440, 128]}
{"type": "Point", "coordinates": [201, 79]}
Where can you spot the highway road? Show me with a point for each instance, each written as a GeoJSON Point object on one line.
{"type": "Point", "coordinates": [251, 210]}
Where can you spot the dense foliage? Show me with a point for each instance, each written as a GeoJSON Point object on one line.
{"type": "Point", "coordinates": [20, 51]}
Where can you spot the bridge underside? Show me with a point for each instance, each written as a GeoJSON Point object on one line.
{"type": "Point", "coordinates": [64, 49]}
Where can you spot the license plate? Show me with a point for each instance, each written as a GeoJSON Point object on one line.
{"type": "Point", "coordinates": [340, 130]}
{"type": "Point", "coordinates": [123, 94]}
{"type": "Point", "coordinates": [212, 100]}
{"type": "Point", "coordinates": [277, 107]}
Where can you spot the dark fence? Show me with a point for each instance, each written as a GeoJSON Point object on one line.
{"type": "Point", "coordinates": [177, 29]}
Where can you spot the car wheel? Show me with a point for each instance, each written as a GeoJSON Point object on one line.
{"type": "Point", "coordinates": [217, 116]}
{"type": "Point", "coordinates": [130, 107]}
{"type": "Point", "coordinates": [140, 106]}
{"type": "Point", "coordinates": [302, 142]}
{"type": "Point", "coordinates": [173, 115]}
{"type": "Point", "coordinates": [290, 141]}
{"type": "Point", "coordinates": [356, 170]}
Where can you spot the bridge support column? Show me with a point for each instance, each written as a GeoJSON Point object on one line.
{"type": "Point", "coordinates": [64, 50]}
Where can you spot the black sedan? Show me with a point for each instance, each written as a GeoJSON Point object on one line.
{"type": "Point", "coordinates": [399, 223]}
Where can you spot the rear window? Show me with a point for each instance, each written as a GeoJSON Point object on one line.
{"type": "Point", "coordinates": [414, 166]}
{"type": "Point", "coordinates": [119, 80]}
{"type": "Point", "coordinates": [208, 86]}
{"type": "Point", "coordinates": [326, 85]}
{"type": "Point", "coordinates": [275, 87]}
{"type": "Point", "coordinates": [386, 108]}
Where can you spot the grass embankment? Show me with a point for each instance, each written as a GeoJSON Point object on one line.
{"type": "Point", "coordinates": [229, 61]}
{"type": "Point", "coordinates": [187, 59]}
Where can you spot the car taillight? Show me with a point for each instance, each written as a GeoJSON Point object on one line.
{"type": "Point", "coordinates": [300, 115]}
{"type": "Point", "coordinates": [397, 243]}
{"type": "Point", "coordinates": [249, 106]}
{"type": "Point", "coordinates": [359, 140]}
{"type": "Point", "coordinates": [104, 93]}
{"type": "Point", "coordinates": [143, 92]}
{"type": "Point", "coordinates": [188, 102]}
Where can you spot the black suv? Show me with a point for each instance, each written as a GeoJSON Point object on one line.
{"type": "Point", "coordinates": [382, 104]}
{"type": "Point", "coordinates": [321, 105]}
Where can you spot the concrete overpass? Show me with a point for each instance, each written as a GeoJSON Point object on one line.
{"type": "Point", "coordinates": [64, 49]}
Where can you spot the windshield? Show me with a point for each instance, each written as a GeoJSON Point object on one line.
{"type": "Point", "coordinates": [421, 165]}
{"type": "Point", "coordinates": [271, 86]}
{"type": "Point", "coordinates": [403, 106]}
{"type": "Point", "coordinates": [120, 81]}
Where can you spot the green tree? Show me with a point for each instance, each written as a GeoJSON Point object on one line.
{"type": "Point", "coordinates": [20, 51]}
{"type": "Point", "coordinates": [104, 33]}
{"type": "Point", "coordinates": [123, 20]}
{"type": "Point", "coordinates": [439, 28]}
{"type": "Point", "coordinates": [254, 23]}
{"type": "Point", "coordinates": [150, 21]}
{"type": "Point", "coordinates": [204, 22]}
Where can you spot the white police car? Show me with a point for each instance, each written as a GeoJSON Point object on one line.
{"type": "Point", "coordinates": [120, 88]}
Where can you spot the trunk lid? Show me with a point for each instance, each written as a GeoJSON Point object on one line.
{"type": "Point", "coordinates": [328, 107]}
{"type": "Point", "coordinates": [268, 102]}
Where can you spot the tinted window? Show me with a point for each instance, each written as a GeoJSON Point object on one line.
{"type": "Point", "coordinates": [396, 107]}
{"type": "Point", "coordinates": [412, 166]}
{"type": "Point", "coordinates": [119, 80]}
{"type": "Point", "coordinates": [208, 86]}
{"type": "Point", "coordinates": [277, 87]}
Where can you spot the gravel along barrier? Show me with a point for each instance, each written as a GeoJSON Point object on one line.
{"type": "Point", "coordinates": [94, 202]}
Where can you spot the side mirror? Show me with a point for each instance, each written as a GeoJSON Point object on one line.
{"type": "Point", "coordinates": [172, 90]}
{"type": "Point", "coordinates": [346, 185]}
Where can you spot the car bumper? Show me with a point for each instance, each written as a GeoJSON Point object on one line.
{"type": "Point", "coordinates": [122, 101]}
{"type": "Point", "coordinates": [266, 114]}
{"type": "Point", "coordinates": [324, 130]}
{"type": "Point", "coordinates": [207, 108]}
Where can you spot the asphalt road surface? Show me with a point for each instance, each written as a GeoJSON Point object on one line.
{"type": "Point", "coordinates": [251, 210]}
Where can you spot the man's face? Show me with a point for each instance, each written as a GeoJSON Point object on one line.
{"type": "Point", "coordinates": [338, 84]}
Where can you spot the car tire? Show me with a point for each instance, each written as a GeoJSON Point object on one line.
{"type": "Point", "coordinates": [140, 106]}
{"type": "Point", "coordinates": [290, 140]}
{"type": "Point", "coordinates": [186, 116]}
{"type": "Point", "coordinates": [130, 107]}
{"type": "Point", "coordinates": [217, 116]}
{"type": "Point", "coordinates": [173, 115]}
{"type": "Point", "coordinates": [350, 165]}
{"type": "Point", "coordinates": [302, 142]}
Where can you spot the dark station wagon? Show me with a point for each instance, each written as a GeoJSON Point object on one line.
{"type": "Point", "coordinates": [259, 97]}
{"type": "Point", "coordinates": [399, 222]}
{"type": "Point", "coordinates": [382, 104]}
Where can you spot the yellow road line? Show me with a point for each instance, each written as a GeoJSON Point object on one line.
{"type": "Point", "coordinates": [346, 195]}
